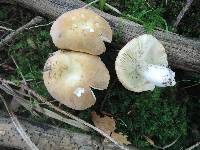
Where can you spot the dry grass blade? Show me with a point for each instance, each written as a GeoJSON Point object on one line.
{"type": "Point", "coordinates": [182, 12]}
{"type": "Point", "coordinates": [5, 28]}
{"type": "Point", "coordinates": [151, 142]}
{"type": "Point", "coordinates": [19, 127]}
{"type": "Point", "coordinates": [54, 115]}
{"type": "Point", "coordinates": [193, 146]}
{"type": "Point", "coordinates": [108, 5]}
{"type": "Point", "coordinates": [89, 4]}
{"type": "Point", "coordinates": [41, 25]}
{"type": "Point", "coordinates": [113, 8]}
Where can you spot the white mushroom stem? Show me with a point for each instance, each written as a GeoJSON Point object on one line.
{"type": "Point", "coordinates": [159, 75]}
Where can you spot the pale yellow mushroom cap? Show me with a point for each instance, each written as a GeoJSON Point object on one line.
{"type": "Point", "coordinates": [142, 64]}
{"type": "Point", "coordinates": [69, 77]}
{"type": "Point", "coordinates": [81, 30]}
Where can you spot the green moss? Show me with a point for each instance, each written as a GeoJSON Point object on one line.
{"type": "Point", "coordinates": [30, 54]}
{"type": "Point", "coordinates": [153, 114]}
{"type": "Point", "coordinates": [142, 12]}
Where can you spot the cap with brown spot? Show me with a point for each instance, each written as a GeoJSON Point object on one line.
{"type": "Point", "coordinates": [81, 30]}
{"type": "Point", "coordinates": [69, 77]}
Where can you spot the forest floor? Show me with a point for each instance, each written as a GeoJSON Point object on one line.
{"type": "Point", "coordinates": [164, 115]}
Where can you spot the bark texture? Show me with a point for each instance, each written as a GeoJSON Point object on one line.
{"type": "Point", "coordinates": [182, 52]}
{"type": "Point", "coordinates": [47, 137]}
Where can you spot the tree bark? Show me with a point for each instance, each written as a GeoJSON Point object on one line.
{"type": "Point", "coordinates": [182, 52]}
{"type": "Point", "coordinates": [47, 137]}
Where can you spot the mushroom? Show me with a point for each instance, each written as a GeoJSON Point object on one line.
{"type": "Point", "coordinates": [81, 30]}
{"type": "Point", "coordinates": [69, 77]}
{"type": "Point", "coordinates": [142, 64]}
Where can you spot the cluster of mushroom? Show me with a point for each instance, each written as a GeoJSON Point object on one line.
{"type": "Point", "coordinates": [70, 73]}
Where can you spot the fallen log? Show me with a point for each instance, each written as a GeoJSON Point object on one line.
{"type": "Point", "coordinates": [47, 137]}
{"type": "Point", "coordinates": [182, 52]}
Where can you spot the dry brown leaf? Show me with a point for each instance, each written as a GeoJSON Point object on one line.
{"type": "Point", "coordinates": [150, 141]}
{"type": "Point", "coordinates": [107, 124]}
{"type": "Point", "coordinates": [120, 138]}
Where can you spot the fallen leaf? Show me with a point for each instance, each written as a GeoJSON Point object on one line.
{"type": "Point", "coordinates": [150, 141]}
{"type": "Point", "coordinates": [120, 138]}
{"type": "Point", "coordinates": [106, 124]}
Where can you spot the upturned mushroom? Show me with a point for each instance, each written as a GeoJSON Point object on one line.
{"type": "Point", "coordinates": [69, 77]}
{"type": "Point", "coordinates": [81, 30]}
{"type": "Point", "coordinates": [142, 64]}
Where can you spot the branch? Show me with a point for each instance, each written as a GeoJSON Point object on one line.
{"type": "Point", "coordinates": [182, 52]}
{"type": "Point", "coordinates": [193, 146]}
{"type": "Point", "coordinates": [182, 12]}
{"type": "Point", "coordinates": [46, 137]}
{"type": "Point", "coordinates": [14, 34]}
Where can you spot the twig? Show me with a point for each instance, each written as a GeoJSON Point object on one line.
{"type": "Point", "coordinates": [14, 34]}
{"type": "Point", "coordinates": [19, 127]}
{"type": "Point", "coordinates": [108, 5]}
{"type": "Point", "coordinates": [5, 28]}
{"type": "Point", "coordinates": [193, 146]}
{"type": "Point", "coordinates": [113, 8]}
{"type": "Point", "coordinates": [14, 103]}
{"type": "Point", "coordinates": [41, 25]}
{"type": "Point", "coordinates": [89, 4]}
{"type": "Point", "coordinates": [23, 78]}
{"type": "Point", "coordinates": [159, 147]}
{"type": "Point", "coordinates": [182, 12]}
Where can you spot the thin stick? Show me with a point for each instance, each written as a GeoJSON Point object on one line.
{"type": "Point", "coordinates": [5, 28]}
{"type": "Point", "coordinates": [41, 25]}
{"type": "Point", "coordinates": [23, 78]}
{"type": "Point", "coordinates": [19, 127]}
{"type": "Point", "coordinates": [108, 5]}
{"type": "Point", "coordinates": [193, 146]}
{"type": "Point", "coordinates": [89, 4]}
{"type": "Point", "coordinates": [14, 34]}
{"type": "Point", "coordinates": [159, 147]}
{"type": "Point", "coordinates": [182, 12]}
{"type": "Point", "coordinates": [113, 8]}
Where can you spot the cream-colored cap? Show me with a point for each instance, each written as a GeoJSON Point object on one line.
{"type": "Point", "coordinates": [142, 64]}
{"type": "Point", "coordinates": [81, 30]}
{"type": "Point", "coordinates": [69, 77]}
